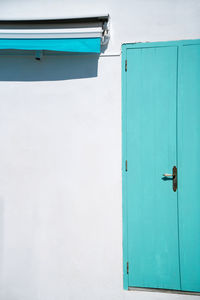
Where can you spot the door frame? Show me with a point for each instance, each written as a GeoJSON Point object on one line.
{"type": "Point", "coordinates": [125, 47]}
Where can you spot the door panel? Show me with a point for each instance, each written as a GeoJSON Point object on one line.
{"type": "Point", "coordinates": [189, 166]}
{"type": "Point", "coordinates": [153, 253]}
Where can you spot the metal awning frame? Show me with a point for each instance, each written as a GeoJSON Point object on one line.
{"type": "Point", "coordinates": [58, 28]}
{"type": "Point", "coordinates": [79, 27]}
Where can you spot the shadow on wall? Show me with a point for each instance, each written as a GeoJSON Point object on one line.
{"type": "Point", "coordinates": [24, 67]}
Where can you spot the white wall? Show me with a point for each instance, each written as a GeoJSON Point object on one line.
{"type": "Point", "coordinates": [60, 154]}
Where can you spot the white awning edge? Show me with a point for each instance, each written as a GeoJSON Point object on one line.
{"type": "Point", "coordinates": [50, 33]}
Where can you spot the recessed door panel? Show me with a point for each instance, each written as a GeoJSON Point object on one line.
{"type": "Point", "coordinates": [189, 166]}
{"type": "Point", "coordinates": [152, 228]}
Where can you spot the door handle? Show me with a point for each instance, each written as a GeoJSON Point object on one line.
{"type": "Point", "coordinates": [174, 177]}
{"type": "Point", "coordinates": [167, 175]}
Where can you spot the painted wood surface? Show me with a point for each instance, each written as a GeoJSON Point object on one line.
{"type": "Point", "coordinates": [151, 151]}
{"type": "Point", "coordinates": [161, 124]}
{"type": "Point", "coordinates": [189, 165]}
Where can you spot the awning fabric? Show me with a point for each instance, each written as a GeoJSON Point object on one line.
{"type": "Point", "coordinates": [90, 45]}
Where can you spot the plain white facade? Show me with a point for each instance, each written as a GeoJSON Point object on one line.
{"type": "Point", "coordinates": [60, 154]}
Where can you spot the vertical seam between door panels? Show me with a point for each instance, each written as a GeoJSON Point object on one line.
{"type": "Point", "coordinates": [177, 162]}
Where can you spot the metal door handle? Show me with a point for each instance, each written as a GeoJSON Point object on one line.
{"type": "Point", "coordinates": [167, 175]}
{"type": "Point", "coordinates": [174, 177]}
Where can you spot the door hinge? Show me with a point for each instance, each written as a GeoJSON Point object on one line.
{"type": "Point", "coordinates": [127, 267]}
{"type": "Point", "coordinates": [126, 166]}
{"type": "Point", "coordinates": [126, 65]}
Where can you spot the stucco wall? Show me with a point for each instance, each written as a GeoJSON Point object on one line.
{"type": "Point", "coordinates": [60, 154]}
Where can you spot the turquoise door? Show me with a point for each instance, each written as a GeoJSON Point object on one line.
{"type": "Point", "coordinates": [161, 125]}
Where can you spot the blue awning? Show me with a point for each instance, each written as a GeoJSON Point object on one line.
{"type": "Point", "coordinates": [90, 45]}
